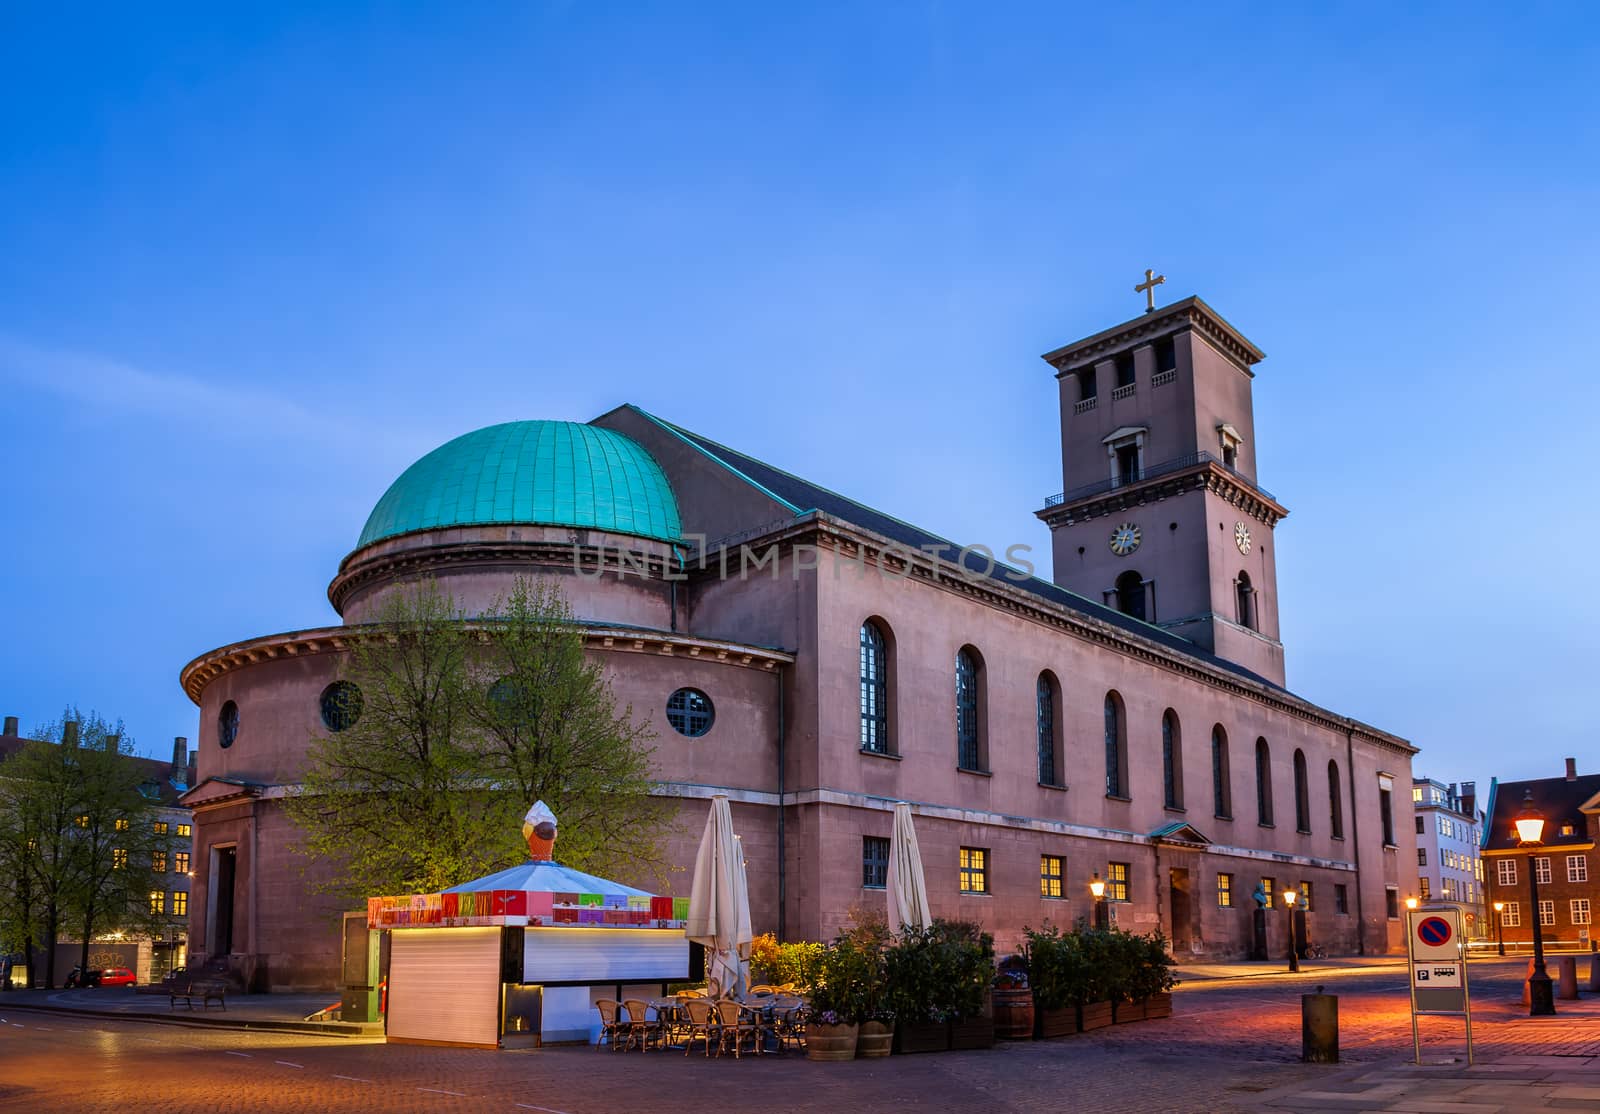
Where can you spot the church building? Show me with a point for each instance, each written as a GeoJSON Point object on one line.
{"type": "Point", "coordinates": [818, 660]}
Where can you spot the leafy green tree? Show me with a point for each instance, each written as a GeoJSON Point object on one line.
{"type": "Point", "coordinates": [551, 730]}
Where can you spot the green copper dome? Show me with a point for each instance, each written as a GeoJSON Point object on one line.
{"type": "Point", "coordinates": [538, 473]}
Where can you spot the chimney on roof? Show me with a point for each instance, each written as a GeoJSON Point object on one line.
{"type": "Point", "coordinates": [189, 781]}
{"type": "Point", "coordinates": [1572, 769]}
{"type": "Point", "coordinates": [113, 743]}
{"type": "Point", "coordinates": [11, 727]}
{"type": "Point", "coordinates": [69, 733]}
{"type": "Point", "coordinates": [180, 757]}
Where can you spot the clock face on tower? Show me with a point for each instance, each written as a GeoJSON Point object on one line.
{"type": "Point", "coordinates": [1241, 537]}
{"type": "Point", "coordinates": [1125, 539]}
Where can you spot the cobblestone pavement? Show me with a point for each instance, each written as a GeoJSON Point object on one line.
{"type": "Point", "coordinates": [1232, 1045]}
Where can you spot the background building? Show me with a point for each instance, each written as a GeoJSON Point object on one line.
{"type": "Point", "coordinates": [1568, 869]}
{"type": "Point", "coordinates": [817, 660]}
{"type": "Point", "coordinates": [1449, 828]}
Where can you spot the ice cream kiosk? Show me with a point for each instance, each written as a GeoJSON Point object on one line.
{"type": "Point", "coordinates": [520, 957]}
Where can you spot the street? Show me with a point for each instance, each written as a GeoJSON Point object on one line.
{"type": "Point", "coordinates": [1231, 1045]}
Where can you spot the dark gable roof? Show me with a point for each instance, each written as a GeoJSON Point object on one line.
{"type": "Point", "coordinates": [154, 770]}
{"type": "Point", "coordinates": [808, 496]}
{"type": "Point", "coordinates": [1555, 797]}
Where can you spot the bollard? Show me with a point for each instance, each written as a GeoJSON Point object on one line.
{"type": "Point", "coordinates": [1567, 977]}
{"type": "Point", "coordinates": [1594, 972]}
{"type": "Point", "coordinates": [1319, 1028]}
{"type": "Point", "coordinates": [1526, 999]}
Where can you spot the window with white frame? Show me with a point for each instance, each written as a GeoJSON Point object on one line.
{"type": "Point", "coordinates": [1511, 915]}
{"type": "Point", "coordinates": [1506, 872]}
{"type": "Point", "coordinates": [1577, 869]}
{"type": "Point", "coordinates": [1547, 914]}
{"type": "Point", "coordinates": [1541, 869]}
{"type": "Point", "coordinates": [1580, 910]}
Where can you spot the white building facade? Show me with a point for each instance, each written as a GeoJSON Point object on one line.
{"type": "Point", "coordinates": [1449, 868]}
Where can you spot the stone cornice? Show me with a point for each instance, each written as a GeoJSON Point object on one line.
{"type": "Point", "coordinates": [856, 543]}
{"type": "Point", "coordinates": [1191, 312]}
{"type": "Point", "coordinates": [1206, 475]}
{"type": "Point", "coordinates": [610, 639]}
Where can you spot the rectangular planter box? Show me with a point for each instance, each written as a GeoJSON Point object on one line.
{"type": "Point", "coordinates": [1094, 1015]}
{"type": "Point", "coordinates": [972, 1032]}
{"type": "Point", "coordinates": [1056, 1023]}
{"type": "Point", "coordinates": [1158, 1006]}
{"type": "Point", "coordinates": [924, 1036]}
{"type": "Point", "coordinates": [1125, 1012]}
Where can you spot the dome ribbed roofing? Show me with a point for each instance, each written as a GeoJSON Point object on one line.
{"type": "Point", "coordinates": [533, 473]}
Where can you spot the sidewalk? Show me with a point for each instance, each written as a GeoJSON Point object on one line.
{"type": "Point", "coordinates": [1252, 968]}
{"type": "Point", "coordinates": [285, 1013]}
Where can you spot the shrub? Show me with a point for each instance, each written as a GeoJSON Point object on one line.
{"type": "Point", "coordinates": [941, 973]}
{"type": "Point", "coordinates": [1057, 967]}
{"type": "Point", "coordinates": [850, 983]}
{"type": "Point", "coordinates": [795, 962]}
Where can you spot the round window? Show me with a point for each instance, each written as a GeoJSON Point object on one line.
{"type": "Point", "coordinates": [690, 712]}
{"type": "Point", "coordinates": [341, 705]}
{"type": "Point", "coordinates": [228, 724]}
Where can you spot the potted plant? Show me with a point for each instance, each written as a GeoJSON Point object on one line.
{"type": "Point", "coordinates": [916, 993]}
{"type": "Point", "coordinates": [1013, 1000]}
{"type": "Point", "coordinates": [968, 954]}
{"type": "Point", "coordinates": [1101, 978]}
{"type": "Point", "coordinates": [847, 974]}
{"type": "Point", "coordinates": [1057, 973]}
{"type": "Point", "coordinates": [1152, 979]}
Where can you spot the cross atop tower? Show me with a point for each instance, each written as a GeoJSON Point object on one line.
{"type": "Point", "coordinates": [1148, 288]}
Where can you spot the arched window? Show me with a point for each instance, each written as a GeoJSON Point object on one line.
{"type": "Point", "coordinates": [1335, 803]}
{"type": "Point", "coordinates": [1048, 728]}
{"type": "Point", "coordinates": [1302, 793]}
{"type": "Point", "coordinates": [1263, 784]}
{"type": "Point", "coordinates": [1247, 599]}
{"type": "Point", "coordinates": [1130, 594]}
{"type": "Point", "coordinates": [969, 699]}
{"type": "Point", "coordinates": [1221, 789]}
{"type": "Point", "coordinates": [1116, 747]}
{"type": "Point", "coordinates": [1171, 760]}
{"type": "Point", "coordinates": [874, 689]}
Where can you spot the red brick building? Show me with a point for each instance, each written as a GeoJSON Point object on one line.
{"type": "Point", "coordinates": [1567, 866]}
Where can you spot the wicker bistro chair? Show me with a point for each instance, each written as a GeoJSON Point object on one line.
{"type": "Point", "coordinates": [700, 1020]}
{"type": "Point", "coordinates": [610, 1026]}
{"type": "Point", "coordinates": [640, 1025]}
{"type": "Point", "coordinates": [789, 1021]}
{"type": "Point", "coordinates": [736, 1022]}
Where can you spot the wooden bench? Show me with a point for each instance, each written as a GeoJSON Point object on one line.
{"type": "Point", "coordinates": [207, 992]}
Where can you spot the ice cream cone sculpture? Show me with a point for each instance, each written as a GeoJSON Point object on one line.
{"type": "Point", "coordinates": [539, 829]}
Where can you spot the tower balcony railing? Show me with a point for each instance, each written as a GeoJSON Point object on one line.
{"type": "Point", "coordinates": [1155, 471]}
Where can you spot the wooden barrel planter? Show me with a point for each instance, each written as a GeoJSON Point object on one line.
{"type": "Point", "coordinates": [830, 1042]}
{"type": "Point", "coordinates": [1094, 1015]}
{"type": "Point", "coordinates": [875, 1039]}
{"type": "Point", "coordinates": [1061, 1022]}
{"type": "Point", "coordinates": [1013, 1014]}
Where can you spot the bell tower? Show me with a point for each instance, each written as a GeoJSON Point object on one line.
{"type": "Point", "coordinates": [1161, 516]}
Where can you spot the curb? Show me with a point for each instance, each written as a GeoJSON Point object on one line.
{"type": "Point", "coordinates": [317, 1028]}
{"type": "Point", "coordinates": [1280, 972]}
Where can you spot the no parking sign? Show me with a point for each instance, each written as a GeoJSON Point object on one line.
{"type": "Point", "coordinates": [1437, 950]}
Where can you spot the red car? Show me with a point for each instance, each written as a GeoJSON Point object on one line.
{"type": "Point", "coordinates": [116, 976]}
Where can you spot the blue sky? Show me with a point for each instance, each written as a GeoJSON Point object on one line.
{"type": "Point", "coordinates": [253, 264]}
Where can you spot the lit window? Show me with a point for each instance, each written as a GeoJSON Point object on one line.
{"type": "Point", "coordinates": [1506, 871]}
{"type": "Point", "coordinates": [121, 825]}
{"type": "Point", "coordinates": [1580, 910]}
{"type": "Point", "coordinates": [1225, 890]}
{"type": "Point", "coordinates": [1305, 896]}
{"type": "Point", "coordinates": [974, 870]}
{"type": "Point", "coordinates": [82, 821]}
{"type": "Point", "coordinates": [180, 862]}
{"type": "Point", "coordinates": [1116, 881]}
{"type": "Point", "coordinates": [184, 831]}
{"type": "Point", "coordinates": [1424, 890]}
{"type": "Point", "coordinates": [119, 858]}
{"type": "Point", "coordinates": [158, 901]}
{"type": "Point", "coordinates": [874, 862]}
{"type": "Point", "coordinates": [1541, 869]}
{"type": "Point", "coordinates": [158, 861]}
{"type": "Point", "coordinates": [161, 827]}
{"type": "Point", "coordinates": [1049, 875]}
{"type": "Point", "coordinates": [1511, 915]}
{"type": "Point", "coordinates": [180, 903]}
{"type": "Point", "coordinates": [1547, 914]}
{"type": "Point", "coordinates": [690, 712]}
{"type": "Point", "coordinates": [1267, 886]}
{"type": "Point", "coordinates": [1577, 868]}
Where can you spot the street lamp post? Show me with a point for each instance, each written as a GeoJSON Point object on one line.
{"type": "Point", "coordinates": [1530, 834]}
{"type": "Point", "coordinates": [1097, 887]}
{"type": "Point", "coordinates": [1499, 926]}
{"type": "Point", "coordinates": [1289, 898]}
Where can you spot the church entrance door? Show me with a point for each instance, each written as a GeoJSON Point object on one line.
{"type": "Point", "coordinates": [223, 870]}
{"type": "Point", "coordinates": [1182, 910]}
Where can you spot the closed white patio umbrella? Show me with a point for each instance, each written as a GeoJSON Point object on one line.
{"type": "Point", "coordinates": [719, 905]}
{"type": "Point", "coordinates": [908, 890]}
